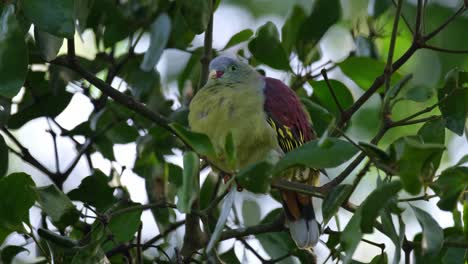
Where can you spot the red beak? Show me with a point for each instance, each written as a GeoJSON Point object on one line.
{"type": "Point", "coordinates": [219, 74]}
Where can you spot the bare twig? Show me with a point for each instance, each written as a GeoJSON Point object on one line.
{"type": "Point", "coordinates": [330, 88]}
{"type": "Point", "coordinates": [452, 51]}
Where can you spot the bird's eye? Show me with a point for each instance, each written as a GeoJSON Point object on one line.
{"type": "Point", "coordinates": [232, 67]}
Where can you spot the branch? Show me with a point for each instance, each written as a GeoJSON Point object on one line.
{"type": "Point", "coordinates": [389, 66]}
{"type": "Point", "coordinates": [205, 60]}
{"type": "Point", "coordinates": [277, 225]}
{"type": "Point", "coordinates": [25, 155]}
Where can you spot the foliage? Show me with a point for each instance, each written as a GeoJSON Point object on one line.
{"type": "Point", "coordinates": [389, 120]}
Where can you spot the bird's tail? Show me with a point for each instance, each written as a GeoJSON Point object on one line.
{"type": "Point", "coordinates": [304, 229]}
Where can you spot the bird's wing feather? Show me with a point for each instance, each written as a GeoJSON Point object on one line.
{"type": "Point", "coordinates": [286, 115]}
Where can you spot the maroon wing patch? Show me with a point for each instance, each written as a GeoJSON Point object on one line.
{"type": "Point", "coordinates": [286, 115]}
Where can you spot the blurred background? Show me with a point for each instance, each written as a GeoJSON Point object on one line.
{"type": "Point", "coordinates": [232, 16]}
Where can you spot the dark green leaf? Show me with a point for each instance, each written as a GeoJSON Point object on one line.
{"type": "Point", "coordinates": [238, 38]}
{"type": "Point", "coordinates": [13, 54]}
{"type": "Point", "coordinates": [364, 70]}
{"type": "Point", "coordinates": [48, 44]}
{"type": "Point", "coordinates": [62, 241]}
{"type": "Point", "coordinates": [419, 93]}
{"type": "Point", "coordinates": [105, 147]}
{"type": "Point", "coordinates": [160, 30]}
{"type": "Point", "coordinates": [433, 235]}
{"type": "Point", "coordinates": [256, 177]}
{"type": "Point", "coordinates": [189, 190]}
{"type": "Point", "coordinates": [465, 219]}
{"type": "Point", "coordinates": [380, 259]}
{"type": "Point", "coordinates": [250, 213]}
{"type": "Point", "coordinates": [328, 12]}
{"type": "Point", "coordinates": [199, 142]}
{"type": "Point", "coordinates": [124, 226]}
{"type": "Point", "coordinates": [375, 202]}
{"type": "Point", "coordinates": [57, 205]}
{"type": "Point", "coordinates": [9, 252]}
{"type": "Point", "coordinates": [432, 132]}
{"type": "Point", "coordinates": [267, 48]}
{"type": "Point", "coordinates": [323, 96]}
{"type": "Point", "coordinates": [197, 14]}
{"type": "Point", "coordinates": [207, 189]}
{"type": "Point", "coordinates": [412, 155]}
{"type": "Point", "coordinates": [395, 89]}
{"type": "Point", "coordinates": [230, 257]}
{"type": "Point", "coordinates": [453, 99]}
{"type": "Point", "coordinates": [3, 157]}
{"type": "Point", "coordinates": [314, 156]}
{"type": "Point", "coordinates": [290, 30]}
{"type": "Point", "coordinates": [53, 16]}
{"type": "Point", "coordinates": [17, 197]}
{"type": "Point", "coordinates": [81, 12]}
{"type": "Point", "coordinates": [321, 117]}
{"type": "Point", "coordinates": [449, 186]}
{"type": "Point", "coordinates": [122, 133]}
{"type": "Point", "coordinates": [375, 152]}
{"type": "Point", "coordinates": [5, 110]}
{"type": "Point", "coordinates": [97, 185]}
{"type": "Point", "coordinates": [379, 7]}
{"type": "Point", "coordinates": [333, 201]}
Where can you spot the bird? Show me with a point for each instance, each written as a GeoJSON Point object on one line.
{"type": "Point", "coordinates": [266, 120]}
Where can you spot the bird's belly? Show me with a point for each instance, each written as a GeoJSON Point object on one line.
{"type": "Point", "coordinates": [253, 137]}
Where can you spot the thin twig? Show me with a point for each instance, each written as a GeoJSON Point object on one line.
{"type": "Point", "coordinates": [445, 24]}
{"type": "Point", "coordinates": [330, 88]}
{"type": "Point", "coordinates": [452, 51]}
{"type": "Point", "coordinates": [424, 197]}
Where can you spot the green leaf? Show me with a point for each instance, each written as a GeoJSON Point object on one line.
{"type": "Point", "coordinates": [160, 30]}
{"type": "Point", "coordinates": [13, 54]}
{"type": "Point", "coordinates": [364, 217]}
{"type": "Point", "coordinates": [48, 44]}
{"type": "Point", "coordinates": [375, 152]}
{"type": "Point", "coordinates": [3, 157]}
{"type": "Point", "coordinates": [396, 89]}
{"type": "Point", "coordinates": [9, 253]}
{"type": "Point", "coordinates": [419, 93]}
{"type": "Point", "coordinates": [238, 38]}
{"type": "Point", "coordinates": [189, 190]}
{"type": "Point", "coordinates": [453, 98]}
{"type": "Point", "coordinates": [328, 12]}
{"type": "Point", "coordinates": [256, 177]}
{"type": "Point", "coordinates": [333, 201]}
{"type": "Point", "coordinates": [375, 202]}
{"type": "Point", "coordinates": [432, 132]}
{"type": "Point", "coordinates": [276, 244]}
{"type": "Point", "coordinates": [5, 110]}
{"type": "Point", "coordinates": [230, 257]}
{"type": "Point", "coordinates": [53, 16]}
{"type": "Point", "coordinates": [62, 241]}
{"type": "Point", "coordinates": [412, 154]}
{"type": "Point", "coordinates": [196, 14]}
{"type": "Point", "coordinates": [199, 142]}
{"type": "Point", "coordinates": [122, 133]}
{"type": "Point", "coordinates": [364, 70]}
{"type": "Point", "coordinates": [290, 30]}
{"type": "Point", "coordinates": [57, 205]}
{"type": "Point", "coordinates": [433, 235]}
{"type": "Point", "coordinates": [313, 156]}
{"type": "Point", "coordinates": [230, 149]}
{"type": "Point", "coordinates": [465, 218]}
{"type": "Point", "coordinates": [98, 185]}
{"type": "Point", "coordinates": [250, 212]}
{"type": "Point", "coordinates": [323, 96]}
{"type": "Point", "coordinates": [321, 117]}
{"type": "Point", "coordinates": [450, 186]}
{"type": "Point", "coordinates": [81, 13]}
{"type": "Point", "coordinates": [389, 230]}
{"type": "Point", "coordinates": [124, 226]}
{"type": "Point", "coordinates": [17, 197]}
{"type": "Point", "coordinates": [379, 7]}
{"type": "Point", "coordinates": [267, 48]}
{"type": "Point", "coordinates": [207, 189]}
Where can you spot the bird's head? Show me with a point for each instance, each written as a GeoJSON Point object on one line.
{"type": "Point", "coordinates": [226, 70]}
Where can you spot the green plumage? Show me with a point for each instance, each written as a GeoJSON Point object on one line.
{"type": "Point", "coordinates": [218, 109]}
